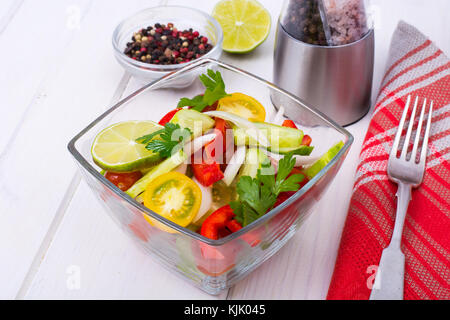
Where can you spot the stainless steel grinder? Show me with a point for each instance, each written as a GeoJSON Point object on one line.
{"type": "Point", "coordinates": [325, 57]}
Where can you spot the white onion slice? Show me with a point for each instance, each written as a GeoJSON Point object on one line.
{"type": "Point", "coordinates": [250, 127]}
{"type": "Point", "coordinates": [234, 165]}
{"type": "Point", "coordinates": [279, 117]}
{"type": "Point", "coordinates": [193, 146]}
{"type": "Point", "coordinates": [206, 200]}
{"type": "Point", "coordinates": [299, 160]}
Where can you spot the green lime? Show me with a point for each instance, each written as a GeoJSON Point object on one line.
{"type": "Point", "coordinates": [115, 148]}
{"type": "Point", "coordinates": [245, 23]}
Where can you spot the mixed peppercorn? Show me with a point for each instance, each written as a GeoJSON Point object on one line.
{"type": "Point", "coordinates": [165, 45]}
{"type": "Point", "coordinates": [303, 22]}
{"type": "Point", "coordinates": [326, 22]}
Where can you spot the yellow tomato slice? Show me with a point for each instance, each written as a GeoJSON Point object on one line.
{"type": "Point", "coordinates": [244, 106]}
{"type": "Point", "coordinates": [175, 197]}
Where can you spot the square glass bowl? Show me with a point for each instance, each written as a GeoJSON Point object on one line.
{"type": "Point", "coordinates": [212, 265]}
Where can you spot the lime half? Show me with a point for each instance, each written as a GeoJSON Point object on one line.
{"type": "Point", "coordinates": [115, 148]}
{"type": "Point", "coordinates": [245, 23]}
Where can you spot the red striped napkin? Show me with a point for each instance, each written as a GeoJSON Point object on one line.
{"type": "Point", "coordinates": [416, 67]}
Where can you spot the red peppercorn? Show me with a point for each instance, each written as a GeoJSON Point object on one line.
{"type": "Point", "coordinates": [158, 30]}
{"type": "Point", "coordinates": [184, 50]}
{"type": "Point", "coordinates": [170, 25]}
{"type": "Point", "coordinates": [174, 34]}
{"type": "Point", "coordinates": [195, 34]}
{"type": "Point", "coordinates": [190, 37]}
{"type": "Point", "coordinates": [204, 39]}
{"type": "Point", "coordinates": [144, 49]}
{"type": "Point", "coordinates": [201, 47]}
{"type": "Point", "coordinates": [175, 54]}
{"type": "Point", "coordinates": [155, 61]}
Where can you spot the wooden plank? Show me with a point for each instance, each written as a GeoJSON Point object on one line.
{"type": "Point", "coordinates": [36, 169]}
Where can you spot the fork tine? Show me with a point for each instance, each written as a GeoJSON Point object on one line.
{"type": "Point", "coordinates": [423, 156]}
{"type": "Point", "coordinates": [409, 132]}
{"type": "Point", "coordinates": [400, 128]}
{"type": "Point", "coordinates": [418, 131]}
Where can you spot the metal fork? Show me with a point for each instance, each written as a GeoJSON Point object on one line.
{"type": "Point", "coordinates": [408, 174]}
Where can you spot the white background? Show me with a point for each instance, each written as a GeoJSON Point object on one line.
{"type": "Point", "coordinates": [57, 74]}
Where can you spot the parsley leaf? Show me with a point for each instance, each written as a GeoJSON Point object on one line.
{"type": "Point", "coordinates": [215, 90]}
{"type": "Point", "coordinates": [244, 214]}
{"type": "Point", "coordinates": [197, 103]}
{"type": "Point", "coordinates": [171, 139]}
{"type": "Point", "coordinates": [285, 167]}
{"type": "Point", "coordinates": [258, 196]}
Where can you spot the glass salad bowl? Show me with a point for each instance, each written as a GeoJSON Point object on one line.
{"type": "Point", "coordinates": [182, 250]}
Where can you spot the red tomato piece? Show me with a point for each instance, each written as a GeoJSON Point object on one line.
{"type": "Point", "coordinates": [214, 227]}
{"type": "Point", "coordinates": [216, 221]}
{"type": "Point", "coordinates": [306, 140]}
{"type": "Point", "coordinates": [123, 181]}
{"type": "Point", "coordinates": [166, 119]}
{"type": "Point", "coordinates": [207, 173]}
{"type": "Point", "coordinates": [216, 148]}
{"type": "Point", "coordinates": [233, 226]}
{"type": "Point", "coordinates": [289, 124]}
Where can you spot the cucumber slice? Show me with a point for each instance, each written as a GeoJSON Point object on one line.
{"type": "Point", "coordinates": [253, 161]}
{"type": "Point", "coordinates": [301, 151]}
{"type": "Point", "coordinates": [164, 167]}
{"type": "Point", "coordinates": [193, 120]}
{"type": "Point", "coordinates": [278, 136]}
{"type": "Point", "coordinates": [315, 168]}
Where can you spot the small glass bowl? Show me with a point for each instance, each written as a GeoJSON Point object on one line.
{"type": "Point", "coordinates": [212, 265]}
{"type": "Point", "coordinates": [182, 18]}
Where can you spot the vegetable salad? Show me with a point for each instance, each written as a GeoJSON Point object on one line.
{"type": "Point", "coordinates": [213, 165]}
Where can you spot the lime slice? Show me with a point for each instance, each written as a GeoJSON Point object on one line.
{"type": "Point", "coordinates": [115, 148]}
{"type": "Point", "coordinates": [245, 24]}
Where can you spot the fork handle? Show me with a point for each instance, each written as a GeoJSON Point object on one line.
{"type": "Point", "coordinates": [390, 275]}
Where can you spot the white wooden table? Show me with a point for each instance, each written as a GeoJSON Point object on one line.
{"type": "Point", "coordinates": [57, 74]}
